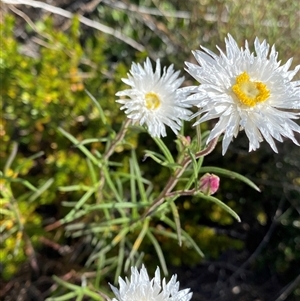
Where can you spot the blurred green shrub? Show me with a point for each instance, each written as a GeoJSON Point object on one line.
{"type": "Point", "coordinates": [40, 93]}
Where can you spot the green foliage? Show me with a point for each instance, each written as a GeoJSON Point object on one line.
{"type": "Point", "coordinates": [38, 94]}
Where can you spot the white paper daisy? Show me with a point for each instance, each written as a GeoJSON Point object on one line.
{"type": "Point", "coordinates": [141, 288]}
{"type": "Point", "coordinates": [154, 99]}
{"type": "Point", "coordinates": [245, 90]}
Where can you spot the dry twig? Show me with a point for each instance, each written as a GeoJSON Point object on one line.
{"type": "Point", "coordinates": [91, 23]}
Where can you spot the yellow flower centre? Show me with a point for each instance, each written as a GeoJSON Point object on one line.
{"type": "Point", "coordinates": [249, 92]}
{"type": "Point", "coordinates": [152, 101]}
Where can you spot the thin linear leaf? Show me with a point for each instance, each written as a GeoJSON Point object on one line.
{"type": "Point", "coordinates": [94, 295]}
{"type": "Point", "coordinates": [138, 175]}
{"type": "Point", "coordinates": [133, 189]}
{"type": "Point", "coordinates": [185, 235]}
{"type": "Point", "coordinates": [111, 185]}
{"type": "Point", "coordinates": [219, 203]}
{"type": "Point", "coordinates": [65, 297]}
{"type": "Point", "coordinates": [81, 147]}
{"type": "Point", "coordinates": [191, 179]}
{"type": "Point", "coordinates": [121, 256]}
{"type": "Point", "coordinates": [113, 243]}
{"type": "Point", "coordinates": [79, 187]}
{"type": "Point", "coordinates": [167, 234]}
{"type": "Point", "coordinates": [159, 251]}
{"type": "Point", "coordinates": [92, 172]}
{"type": "Point", "coordinates": [177, 222]}
{"type": "Point", "coordinates": [154, 156]}
{"type": "Point", "coordinates": [230, 174]}
{"type": "Point", "coordinates": [164, 149]}
{"type": "Point", "coordinates": [78, 205]}
{"type": "Point", "coordinates": [11, 157]}
{"type": "Point", "coordinates": [22, 181]}
{"type": "Point", "coordinates": [195, 167]}
{"type": "Point", "coordinates": [199, 136]}
{"type": "Point", "coordinates": [31, 158]}
{"type": "Point", "coordinates": [80, 295]}
{"type": "Point", "coordinates": [66, 284]}
{"type": "Point", "coordinates": [40, 190]}
{"type": "Point", "coordinates": [111, 205]}
{"type": "Point", "coordinates": [100, 264]}
{"type": "Point", "coordinates": [97, 104]}
{"type": "Point", "coordinates": [92, 140]}
{"type": "Point", "coordinates": [138, 241]}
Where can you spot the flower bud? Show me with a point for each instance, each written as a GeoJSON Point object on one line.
{"type": "Point", "coordinates": [209, 183]}
{"type": "Point", "coordinates": [185, 140]}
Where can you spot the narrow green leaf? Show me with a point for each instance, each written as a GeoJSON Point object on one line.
{"type": "Point", "coordinates": [159, 252]}
{"type": "Point", "coordinates": [133, 188]}
{"type": "Point", "coordinates": [195, 167]}
{"type": "Point", "coordinates": [219, 203]}
{"type": "Point", "coordinates": [155, 157]}
{"type": "Point", "coordinates": [184, 234]}
{"type": "Point", "coordinates": [199, 136]}
{"type": "Point", "coordinates": [177, 222]}
{"type": "Point", "coordinates": [81, 147]}
{"type": "Point", "coordinates": [100, 263]}
{"type": "Point", "coordinates": [40, 190]}
{"type": "Point", "coordinates": [31, 158]}
{"type": "Point", "coordinates": [230, 174]}
{"type": "Point", "coordinates": [160, 160]}
{"type": "Point", "coordinates": [92, 140]}
{"type": "Point", "coordinates": [138, 175]}
{"type": "Point", "coordinates": [92, 172]}
{"type": "Point", "coordinates": [66, 284]}
{"type": "Point", "coordinates": [121, 256]}
{"type": "Point", "coordinates": [92, 294]}
{"type": "Point", "coordinates": [80, 295]}
{"type": "Point", "coordinates": [9, 232]}
{"type": "Point", "coordinates": [191, 179]}
{"type": "Point", "coordinates": [79, 187]}
{"type": "Point", "coordinates": [97, 104]}
{"type": "Point", "coordinates": [78, 205]}
{"type": "Point", "coordinates": [65, 297]}
{"type": "Point", "coordinates": [113, 205]}
{"type": "Point", "coordinates": [138, 241]}
{"type": "Point", "coordinates": [164, 149]}
{"type": "Point", "coordinates": [11, 157]}
{"type": "Point", "coordinates": [167, 234]}
{"type": "Point", "coordinates": [121, 235]}
{"type": "Point", "coordinates": [4, 211]}
{"type": "Point", "coordinates": [22, 181]}
{"type": "Point", "coordinates": [111, 184]}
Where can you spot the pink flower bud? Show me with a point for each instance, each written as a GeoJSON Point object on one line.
{"type": "Point", "coordinates": [185, 140]}
{"type": "Point", "coordinates": [209, 183]}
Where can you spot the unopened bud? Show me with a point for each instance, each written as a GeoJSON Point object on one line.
{"type": "Point", "coordinates": [185, 140]}
{"type": "Point", "coordinates": [209, 183]}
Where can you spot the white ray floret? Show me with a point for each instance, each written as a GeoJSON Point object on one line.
{"type": "Point", "coordinates": [141, 288]}
{"type": "Point", "coordinates": [246, 91]}
{"type": "Point", "coordinates": [155, 99]}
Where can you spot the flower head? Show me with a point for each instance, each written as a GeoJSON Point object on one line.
{"type": "Point", "coordinates": [245, 90]}
{"type": "Point", "coordinates": [141, 288]}
{"type": "Point", "coordinates": [154, 99]}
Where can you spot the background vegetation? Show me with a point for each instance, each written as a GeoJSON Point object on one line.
{"type": "Point", "coordinates": [51, 246]}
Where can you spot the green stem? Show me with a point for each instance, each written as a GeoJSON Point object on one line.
{"type": "Point", "coordinates": [174, 179]}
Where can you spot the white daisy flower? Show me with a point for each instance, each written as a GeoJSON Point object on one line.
{"type": "Point", "coordinates": [245, 90]}
{"type": "Point", "coordinates": [141, 288]}
{"type": "Point", "coordinates": [154, 99]}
